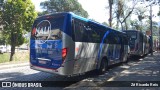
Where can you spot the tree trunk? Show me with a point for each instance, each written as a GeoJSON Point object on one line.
{"type": "Point", "coordinates": [12, 52]}
{"type": "Point", "coordinates": [12, 46]}
{"type": "Point", "coordinates": [110, 12]}
{"type": "Point", "coordinates": [121, 26]}
{"type": "Point", "coordinates": [117, 26]}
{"type": "Point", "coordinates": [126, 25]}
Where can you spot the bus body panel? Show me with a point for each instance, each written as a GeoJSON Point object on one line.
{"type": "Point", "coordinates": [48, 55]}
{"type": "Point", "coordinates": [85, 56]}
{"type": "Point", "coordinates": [66, 67]}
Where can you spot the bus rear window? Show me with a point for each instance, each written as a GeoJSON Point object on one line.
{"type": "Point", "coordinates": [132, 35]}
{"type": "Point", "coordinates": [48, 28]}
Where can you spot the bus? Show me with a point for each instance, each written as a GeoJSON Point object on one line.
{"type": "Point", "coordinates": [147, 44]}
{"type": "Point", "coordinates": [67, 44]}
{"type": "Point", "coordinates": [139, 43]}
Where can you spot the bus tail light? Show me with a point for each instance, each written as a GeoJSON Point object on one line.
{"type": "Point", "coordinates": [64, 53]}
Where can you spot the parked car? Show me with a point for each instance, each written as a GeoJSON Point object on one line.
{"type": "Point", "coordinates": [3, 49]}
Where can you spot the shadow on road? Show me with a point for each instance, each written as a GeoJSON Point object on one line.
{"type": "Point", "coordinates": [53, 79]}
{"type": "Point", "coordinates": [140, 70]}
{"type": "Point", "coordinates": [137, 69]}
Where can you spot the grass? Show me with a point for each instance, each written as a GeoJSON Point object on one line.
{"type": "Point", "coordinates": [4, 57]}
{"type": "Point", "coordinates": [19, 56]}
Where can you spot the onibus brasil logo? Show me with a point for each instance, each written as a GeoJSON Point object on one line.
{"type": "Point", "coordinates": [42, 31]}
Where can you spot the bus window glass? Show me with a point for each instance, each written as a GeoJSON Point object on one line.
{"type": "Point", "coordinates": [48, 28]}
{"type": "Point", "coordinates": [95, 34]}
{"type": "Point", "coordinates": [112, 38]}
{"type": "Point", "coordinates": [82, 31]}
{"type": "Point", "coordinates": [132, 35]}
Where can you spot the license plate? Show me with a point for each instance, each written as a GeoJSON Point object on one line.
{"type": "Point", "coordinates": [42, 62]}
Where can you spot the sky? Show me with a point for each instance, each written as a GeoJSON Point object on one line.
{"type": "Point", "coordinates": [37, 4]}
{"type": "Point", "coordinates": [96, 9]}
{"type": "Point", "coordinates": [91, 6]}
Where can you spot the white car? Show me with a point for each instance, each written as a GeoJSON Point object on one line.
{"type": "Point", "coordinates": [3, 49]}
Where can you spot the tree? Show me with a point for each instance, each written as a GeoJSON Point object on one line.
{"type": "Point", "coordinates": [123, 11]}
{"type": "Point", "coordinates": [140, 13]}
{"type": "Point", "coordinates": [2, 39]}
{"type": "Point", "coordinates": [135, 25]}
{"type": "Point", "coordinates": [110, 12]}
{"type": "Point", "coordinates": [17, 17]}
{"type": "Point", "coordinates": [105, 23]}
{"type": "Point", "coordinates": [1, 5]}
{"type": "Point", "coordinates": [52, 6]}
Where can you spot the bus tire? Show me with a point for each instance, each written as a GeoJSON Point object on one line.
{"type": "Point", "coordinates": [103, 66]}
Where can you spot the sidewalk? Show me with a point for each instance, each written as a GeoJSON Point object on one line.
{"type": "Point", "coordinates": [146, 69]}
{"type": "Point", "coordinates": [13, 65]}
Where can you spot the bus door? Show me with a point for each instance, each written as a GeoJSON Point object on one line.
{"type": "Point", "coordinates": [114, 47]}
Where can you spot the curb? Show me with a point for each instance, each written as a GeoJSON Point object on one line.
{"type": "Point", "coordinates": [7, 66]}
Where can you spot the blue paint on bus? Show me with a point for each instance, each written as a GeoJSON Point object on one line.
{"type": "Point", "coordinates": [102, 42]}
{"type": "Point", "coordinates": [50, 50]}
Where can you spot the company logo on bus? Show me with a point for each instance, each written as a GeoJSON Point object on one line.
{"type": "Point", "coordinates": [42, 31]}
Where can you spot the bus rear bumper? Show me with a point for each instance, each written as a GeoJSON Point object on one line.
{"type": "Point", "coordinates": [60, 71]}
{"type": "Point", "coordinates": [44, 69]}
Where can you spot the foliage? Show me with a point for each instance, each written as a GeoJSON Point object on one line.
{"type": "Point", "coordinates": [17, 17]}
{"type": "Point", "coordinates": [158, 13]}
{"type": "Point", "coordinates": [145, 27]}
{"type": "Point", "coordinates": [105, 23]}
{"type": "Point", "coordinates": [4, 57]}
{"type": "Point", "coordinates": [52, 6]}
{"type": "Point", "coordinates": [20, 56]}
{"type": "Point", "coordinates": [140, 12]}
{"type": "Point", "coordinates": [135, 25]}
{"type": "Point", "coordinates": [2, 39]}
{"type": "Point", "coordinates": [122, 11]}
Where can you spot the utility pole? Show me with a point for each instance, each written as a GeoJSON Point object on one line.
{"type": "Point", "coordinates": [151, 29]}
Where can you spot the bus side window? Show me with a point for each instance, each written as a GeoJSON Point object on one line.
{"type": "Point", "coordinates": [80, 32]}
{"type": "Point", "coordinates": [77, 32]}
{"type": "Point", "coordinates": [111, 38]}
{"type": "Point", "coordinates": [95, 34]}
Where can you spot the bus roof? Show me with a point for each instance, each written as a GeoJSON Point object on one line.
{"type": "Point", "coordinates": [74, 15]}
{"type": "Point", "coordinates": [79, 17]}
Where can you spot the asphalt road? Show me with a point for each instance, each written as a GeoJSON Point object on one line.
{"type": "Point", "coordinates": [144, 69]}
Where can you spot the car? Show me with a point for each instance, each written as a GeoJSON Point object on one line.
{"type": "Point", "coordinates": [3, 49]}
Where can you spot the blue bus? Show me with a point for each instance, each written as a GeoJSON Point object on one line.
{"type": "Point", "coordinates": [139, 43]}
{"type": "Point", "coordinates": [67, 44]}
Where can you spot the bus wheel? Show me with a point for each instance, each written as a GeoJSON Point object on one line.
{"type": "Point", "coordinates": [103, 66]}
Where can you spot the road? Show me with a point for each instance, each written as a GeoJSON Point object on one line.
{"type": "Point", "coordinates": [144, 69]}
